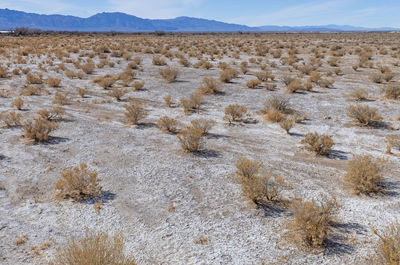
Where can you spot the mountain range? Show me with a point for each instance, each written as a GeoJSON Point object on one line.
{"type": "Point", "coordinates": [121, 22]}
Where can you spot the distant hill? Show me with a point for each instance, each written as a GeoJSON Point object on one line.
{"type": "Point", "coordinates": [11, 19]}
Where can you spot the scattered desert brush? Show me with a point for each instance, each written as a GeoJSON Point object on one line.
{"type": "Point", "coordinates": [168, 124]}
{"type": "Point", "coordinates": [117, 93]}
{"type": "Point", "coordinates": [234, 113]}
{"type": "Point", "coordinates": [193, 103]}
{"type": "Point", "coordinates": [388, 249]}
{"type": "Point", "coordinates": [203, 125]}
{"type": "Point", "coordinates": [94, 248]}
{"type": "Point", "coordinates": [53, 82]}
{"type": "Point", "coordinates": [17, 103]}
{"type": "Point", "coordinates": [169, 74]}
{"type": "Point", "coordinates": [320, 144]}
{"type": "Point", "coordinates": [134, 112]}
{"type": "Point", "coordinates": [392, 142]}
{"type": "Point", "coordinates": [11, 119]}
{"type": "Point", "coordinates": [60, 99]}
{"type": "Point", "coordinates": [253, 84]}
{"type": "Point", "coordinates": [364, 115]}
{"type": "Point", "coordinates": [191, 139]}
{"type": "Point", "coordinates": [210, 86]}
{"type": "Point", "coordinates": [227, 75]}
{"type": "Point", "coordinates": [247, 168]}
{"type": "Point", "coordinates": [288, 124]}
{"type": "Point", "coordinates": [38, 129]}
{"type": "Point", "coordinates": [78, 184]}
{"type": "Point", "coordinates": [55, 114]}
{"type": "Point", "coordinates": [392, 91]}
{"type": "Point", "coordinates": [365, 174]}
{"type": "Point", "coordinates": [359, 94]}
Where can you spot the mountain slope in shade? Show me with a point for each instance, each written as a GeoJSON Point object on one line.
{"type": "Point", "coordinates": [11, 19]}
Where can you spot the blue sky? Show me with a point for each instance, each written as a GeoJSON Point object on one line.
{"type": "Point", "coordinates": [368, 13]}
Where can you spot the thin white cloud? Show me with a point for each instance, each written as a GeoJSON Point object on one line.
{"type": "Point", "coordinates": [37, 6]}
{"type": "Point", "coordinates": [154, 8]}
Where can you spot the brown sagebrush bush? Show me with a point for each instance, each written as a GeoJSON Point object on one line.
{"type": "Point", "coordinates": [138, 85]}
{"type": "Point", "coordinates": [17, 103]}
{"type": "Point", "coordinates": [203, 125]}
{"type": "Point", "coordinates": [287, 124]}
{"type": "Point", "coordinates": [234, 112]}
{"type": "Point", "coordinates": [169, 74]}
{"type": "Point", "coordinates": [82, 92]}
{"type": "Point", "coordinates": [55, 114]}
{"type": "Point", "coordinates": [359, 94]}
{"type": "Point", "coordinates": [117, 93]}
{"type": "Point", "coordinates": [88, 68]}
{"type": "Point", "coordinates": [365, 174]}
{"type": "Point", "coordinates": [376, 78]}
{"type": "Point", "coordinates": [94, 248]}
{"type": "Point", "coordinates": [34, 79]}
{"type": "Point", "coordinates": [38, 129]}
{"type": "Point", "coordinates": [274, 115]}
{"type": "Point", "coordinates": [294, 86]}
{"type": "Point", "coordinates": [227, 75]}
{"type": "Point", "coordinates": [209, 86]}
{"type": "Point", "coordinates": [168, 101]}
{"type": "Point", "coordinates": [253, 84]}
{"type": "Point", "coordinates": [32, 91]}
{"type": "Point", "coordinates": [278, 103]}
{"type": "Point", "coordinates": [364, 115]}
{"type": "Point", "coordinates": [78, 184]}
{"type": "Point", "coordinates": [193, 103]}
{"type": "Point", "coordinates": [388, 249]}
{"type": "Point", "coordinates": [53, 82]}
{"type": "Point", "coordinates": [320, 144]}
{"type": "Point", "coordinates": [60, 99]}
{"type": "Point", "coordinates": [11, 119]}
{"type": "Point", "coordinates": [392, 142]}
{"type": "Point", "coordinates": [312, 222]}
{"type": "Point", "coordinates": [392, 91]}
{"type": "Point", "coordinates": [134, 112]}
{"type": "Point", "coordinates": [159, 61]}
{"type": "Point", "coordinates": [247, 168]}
{"type": "Point", "coordinates": [191, 139]}
{"type": "Point", "coordinates": [168, 124]}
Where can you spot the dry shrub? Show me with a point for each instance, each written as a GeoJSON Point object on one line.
{"type": "Point", "coordinates": [105, 81]}
{"type": "Point", "coordinates": [78, 184]}
{"type": "Point", "coordinates": [169, 74]}
{"type": "Point", "coordinates": [364, 115]}
{"type": "Point", "coordinates": [210, 86]}
{"type": "Point", "coordinates": [359, 94]}
{"type": "Point", "coordinates": [55, 114]}
{"type": "Point", "coordinates": [193, 103]}
{"type": "Point", "coordinates": [392, 142]}
{"type": "Point", "coordinates": [320, 144]}
{"type": "Point", "coordinates": [53, 82]}
{"type": "Point", "coordinates": [191, 139]}
{"type": "Point", "coordinates": [227, 75]}
{"type": "Point", "coordinates": [168, 101]}
{"type": "Point", "coordinates": [159, 61]}
{"type": "Point", "coordinates": [274, 115]}
{"type": "Point", "coordinates": [134, 112]}
{"type": "Point", "coordinates": [313, 221]}
{"type": "Point", "coordinates": [11, 119]}
{"type": "Point", "coordinates": [277, 103]}
{"type": "Point", "coordinates": [388, 76]}
{"type": "Point", "coordinates": [234, 112]}
{"type": "Point", "coordinates": [60, 99]}
{"type": "Point", "coordinates": [294, 86]}
{"type": "Point", "coordinates": [138, 85]}
{"type": "Point", "coordinates": [38, 129]}
{"type": "Point", "coordinates": [252, 84]}
{"type": "Point", "coordinates": [287, 79]}
{"type": "Point", "coordinates": [376, 78]}
{"type": "Point", "coordinates": [287, 124]}
{"type": "Point", "coordinates": [365, 174]}
{"type": "Point", "coordinates": [247, 168]}
{"type": "Point", "coordinates": [88, 68]}
{"type": "Point", "coordinates": [392, 91]}
{"type": "Point", "coordinates": [117, 93]}
{"type": "Point", "coordinates": [389, 245]}
{"type": "Point", "coordinates": [82, 92]}
{"type": "Point", "coordinates": [17, 103]}
{"type": "Point", "coordinates": [203, 125]}
{"type": "Point", "coordinates": [34, 79]}
{"type": "Point", "coordinates": [168, 124]}
{"type": "Point", "coordinates": [3, 72]}
{"type": "Point", "coordinates": [32, 91]}
{"type": "Point", "coordinates": [94, 248]}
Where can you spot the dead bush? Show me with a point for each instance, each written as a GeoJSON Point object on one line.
{"type": "Point", "coordinates": [17, 103]}
{"type": "Point", "coordinates": [193, 103]}
{"type": "Point", "coordinates": [234, 112]}
{"type": "Point", "coordinates": [138, 85]}
{"type": "Point", "coordinates": [210, 86]}
{"type": "Point", "coordinates": [376, 78]}
{"type": "Point", "coordinates": [55, 114]}
{"type": "Point", "coordinates": [117, 93]}
{"type": "Point", "coordinates": [364, 174]}
{"type": "Point", "coordinates": [320, 144]}
{"type": "Point", "coordinates": [168, 101]}
{"type": "Point", "coordinates": [312, 223]}
{"type": "Point", "coordinates": [169, 74]}
{"type": "Point", "coordinates": [203, 125]}
{"type": "Point", "coordinates": [263, 190]}
{"type": "Point", "coordinates": [168, 124]}
{"type": "Point", "coordinates": [191, 139]}
{"type": "Point", "coordinates": [94, 248]}
{"type": "Point", "coordinates": [134, 112]}
{"type": "Point", "coordinates": [78, 184]}
{"type": "Point", "coordinates": [88, 68]}
{"type": "Point", "coordinates": [253, 84]}
{"type": "Point", "coordinates": [38, 129]}
{"type": "Point", "coordinates": [294, 86]}
{"type": "Point", "coordinates": [392, 142]}
{"type": "Point", "coordinates": [277, 103]}
{"type": "Point", "coordinates": [287, 124]}
{"type": "Point", "coordinates": [364, 115]}
{"type": "Point", "coordinates": [82, 92]}
{"type": "Point", "coordinates": [227, 75]}
{"type": "Point", "coordinates": [389, 245]}
{"type": "Point", "coordinates": [359, 94]}
{"type": "Point", "coordinates": [392, 91]}
{"type": "Point", "coordinates": [247, 168]}
{"type": "Point", "coordinates": [274, 115]}
{"type": "Point", "coordinates": [34, 79]}
{"type": "Point", "coordinates": [159, 61]}
{"type": "Point", "coordinates": [53, 82]}
{"type": "Point", "coordinates": [11, 119]}
{"type": "Point", "coordinates": [60, 99]}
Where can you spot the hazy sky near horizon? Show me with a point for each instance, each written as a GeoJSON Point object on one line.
{"type": "Point", "coordinates": [367, 13]}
